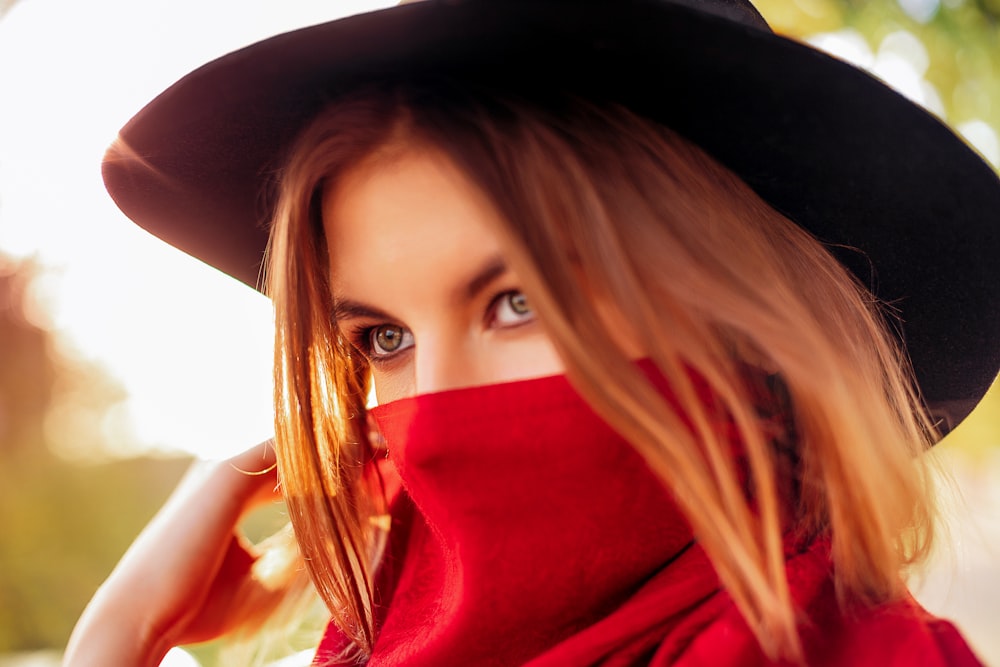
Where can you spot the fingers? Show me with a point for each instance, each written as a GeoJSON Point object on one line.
{"type": "Point", "coordinates": [258, 466]}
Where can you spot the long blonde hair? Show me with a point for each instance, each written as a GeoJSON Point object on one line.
{"type": "Point", "coordinates": [612, 220]}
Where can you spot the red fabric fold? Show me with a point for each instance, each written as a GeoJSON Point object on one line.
{"type": "Point", "coordinates": [529, 532]}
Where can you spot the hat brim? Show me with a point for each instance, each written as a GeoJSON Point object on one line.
{"type": "Point", "coordinates": [901, 200]}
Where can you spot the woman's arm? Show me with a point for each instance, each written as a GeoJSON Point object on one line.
{"type": "Point", "coordinates": [181, 580]}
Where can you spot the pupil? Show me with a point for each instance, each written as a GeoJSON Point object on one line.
{"type": "Point", "coordinates": [389, 338]}
{"type": "Point", "coordinates": [519, 303]}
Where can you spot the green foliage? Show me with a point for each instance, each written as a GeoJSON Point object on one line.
{"type": "Point", "coordinates": [961, 37]}
{"type": "Point", "coordinates": [979, 435]}
{"type": "Point", "coordinates": [62, 526]}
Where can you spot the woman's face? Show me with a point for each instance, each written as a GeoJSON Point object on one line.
{"type": "Point", "coordinates": [420, 283]}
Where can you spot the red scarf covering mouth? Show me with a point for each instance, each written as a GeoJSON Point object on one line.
{"type": "Point", "coordinates": [528, 532]}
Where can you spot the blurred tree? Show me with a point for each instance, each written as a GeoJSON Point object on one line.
{"type": "Point", "coordinates": [27, 372]}
{"type": "Point", "coordinates": [64, 525]}
{"type": "Point", "coordinates": [952, 45]}
{"type": "Point", "coordinates": [5, 5]}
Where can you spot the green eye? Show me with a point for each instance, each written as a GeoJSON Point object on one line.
{"type": "Point", "coordinates": [388, 339]}
{"type": "Point", "coordinates": [511, 309]}
{"type": "Point", "coordinates": [519, 303]}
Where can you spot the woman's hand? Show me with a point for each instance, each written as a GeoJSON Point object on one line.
{"type": "Point", "coordinates": [181, 581]}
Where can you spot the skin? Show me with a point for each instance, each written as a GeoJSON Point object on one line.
{"type": "Point", "coordinates": [416, 266]}
{"type": "Point", "coordinates": [419, 282]}
{"type": "Point", "coordinates": [178, 582]}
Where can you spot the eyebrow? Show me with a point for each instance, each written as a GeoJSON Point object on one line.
{"type": "Point", "coordinates": [491, 269]}
{"type": "Point", "coordinates": [346, 309]}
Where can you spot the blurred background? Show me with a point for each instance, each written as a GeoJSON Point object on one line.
{"type": "Point", "coordinates": [121, 360]}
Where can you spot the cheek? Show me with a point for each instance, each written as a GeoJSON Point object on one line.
{"type": "Point", "coordinates": [392, 386]}
{"type": "Point", "coordinates": [493, 359]}
{"type": "Point", "coordinates": [521, 359]}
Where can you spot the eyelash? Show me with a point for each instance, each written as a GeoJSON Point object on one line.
{"type": "Point", "coordinates": [361, 337]}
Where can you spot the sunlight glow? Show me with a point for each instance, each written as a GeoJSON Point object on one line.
{"type": "Point", "coordinates": [983, 138]}
{"type": "Point", "coordinates": [901, 61]}
{"type": "Point", "coordinates": [191, 346]}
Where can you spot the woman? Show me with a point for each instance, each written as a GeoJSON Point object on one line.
{"type": "Point", "coordinates": [632, 408]}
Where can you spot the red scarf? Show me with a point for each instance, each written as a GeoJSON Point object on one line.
{"type": "Point", "coordinates": [529, 532]}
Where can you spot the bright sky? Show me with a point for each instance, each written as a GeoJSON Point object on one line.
{"type": "Point", "coordinates": [191, 346]}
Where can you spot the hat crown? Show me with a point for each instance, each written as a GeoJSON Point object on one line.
{"type": "Point", "coordinates": [740, 11]}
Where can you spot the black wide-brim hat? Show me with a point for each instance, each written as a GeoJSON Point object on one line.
{"type": "Point", "coordinates": [900, 199]}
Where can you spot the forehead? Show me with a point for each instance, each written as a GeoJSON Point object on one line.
{"type": "Point", "coordinates": [405, 215]}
